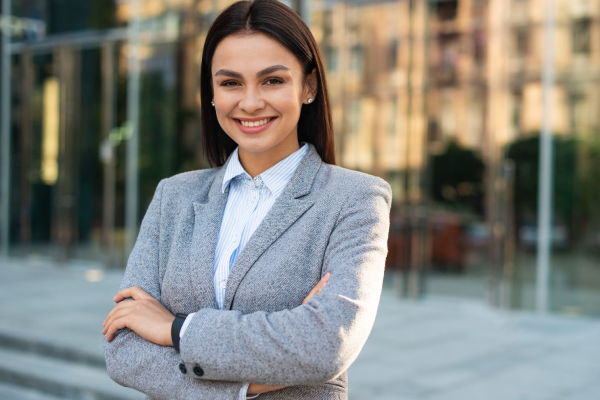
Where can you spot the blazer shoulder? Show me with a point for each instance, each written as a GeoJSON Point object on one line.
{"type": "Point", "coordinates": [344, 180]}
{"type": "Point", "coordinates": [189, 185]}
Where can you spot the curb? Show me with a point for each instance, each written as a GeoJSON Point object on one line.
{"type": "Point", "coordinates": [51, 350]}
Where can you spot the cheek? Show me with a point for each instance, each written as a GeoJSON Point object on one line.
{"type": "Point", "coordinates": [224, 104]}
{"type": "Point", "coordinates": [287, 103]}
{"type": "Point", "coordinates": [223, 98]}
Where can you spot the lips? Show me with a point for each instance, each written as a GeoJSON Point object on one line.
{"type": "Point", "coordinates": [254, 129]}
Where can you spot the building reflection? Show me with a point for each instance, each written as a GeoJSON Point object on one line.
{"type": "Point", "coordinates": [443, 99]}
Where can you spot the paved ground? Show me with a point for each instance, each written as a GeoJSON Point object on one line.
{"type": "Point", "coordinates": [452, 349]}
{"type": "Point", "coordinates": [440, 348]}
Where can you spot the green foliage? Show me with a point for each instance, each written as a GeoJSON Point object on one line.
{"type": "Point", "coordinates": [456, 178]}
{"type": "Point", "coordinates": [102, 14]}
{"type": "Point", "coordinates": [576, 184]}
{"type": "Point", "coordinates": [525, 153]}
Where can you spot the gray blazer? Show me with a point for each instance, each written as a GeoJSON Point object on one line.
{"type": "Point", "coordinates": [328, 219]}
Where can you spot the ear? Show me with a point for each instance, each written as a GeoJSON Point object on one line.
{"type": "Point", "coordinates": [310, 86]}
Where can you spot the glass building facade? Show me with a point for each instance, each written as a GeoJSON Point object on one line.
{"type": "Point", "coordinates": [449, 101]}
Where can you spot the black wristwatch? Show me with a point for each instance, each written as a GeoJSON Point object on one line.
{"type": "Point", "coordinates": [176, 328]}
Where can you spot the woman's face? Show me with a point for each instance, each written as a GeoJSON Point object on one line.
{"type": "Point", "coordinates": [259, 88]}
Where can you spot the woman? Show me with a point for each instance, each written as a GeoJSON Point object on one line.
{"type": "Point", "coordinates": [241, 252]}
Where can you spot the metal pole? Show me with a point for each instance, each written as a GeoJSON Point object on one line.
{"type": "Point", "coordinates": [133, 108]}
{"type": "Point", "coordinates": [544, 243]}
{"type": "Point", "coordinates": [5, 129]}
{"type": "Point", "coordinates": [306, 11]}
{"type": "Point", "coordinates": [108, 152]}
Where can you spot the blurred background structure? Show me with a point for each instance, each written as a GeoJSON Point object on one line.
{"type": "Point", "coordinates": [483, 115]}
{"type": "Point", "coordinates": [450, 101]}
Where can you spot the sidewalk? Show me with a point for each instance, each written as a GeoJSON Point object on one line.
{"type": "Point", "coordinates": [440, 348]}
{"type": "Point", "coordinates": [453, 349]}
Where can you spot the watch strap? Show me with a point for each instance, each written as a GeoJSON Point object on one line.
{"type": "Point", "coordinates": [176, 328]}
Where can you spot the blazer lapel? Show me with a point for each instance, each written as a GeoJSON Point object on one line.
{"type": "Point", "coordinates": [286, 210]}
{"type": "Point", "coordinates": [207, 222]}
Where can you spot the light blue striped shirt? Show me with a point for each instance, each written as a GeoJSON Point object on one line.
{"type": "Point", "coordinates": [248, 203]}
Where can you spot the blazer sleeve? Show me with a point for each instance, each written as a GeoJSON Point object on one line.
{"type": "Point", "coordinates": [133, 361]}
{"type": "Point", "coordinates": [315, 342]}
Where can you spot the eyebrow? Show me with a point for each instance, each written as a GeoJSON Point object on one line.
{"type": "Point", "coordinates": [259, 74]}
{"type": "Point", "coordinates": [270, 70]}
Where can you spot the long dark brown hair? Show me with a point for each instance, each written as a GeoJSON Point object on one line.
{"type": "Point", "coordinates": [282, 24]}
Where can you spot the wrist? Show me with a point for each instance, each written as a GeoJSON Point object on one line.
{"type": "Point", "coordinates": [168, 326]}
{"type": "Point", "coordinates": [176, 325]}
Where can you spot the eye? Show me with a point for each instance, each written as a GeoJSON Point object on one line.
{"type": "Point", "coordinates": [229, 84]}
{"type": "Point", "coordinates": [273, 81]}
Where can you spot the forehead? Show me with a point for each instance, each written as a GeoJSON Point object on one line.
{"type": "Point", "coordinates": [248, 54]}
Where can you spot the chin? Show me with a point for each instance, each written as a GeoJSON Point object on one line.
{"type": "Point", "coordinates": [252, 146]}
{"type": "Point", "coordinates": [256, 144]}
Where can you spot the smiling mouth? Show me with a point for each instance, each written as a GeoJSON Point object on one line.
{"type": "Point", "coordinates": [251, 124]}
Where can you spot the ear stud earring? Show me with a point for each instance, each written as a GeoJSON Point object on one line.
{"type": "Point", "coordinates": [310, 100]}
{"type": "Point", "coordinates": [212, 103]}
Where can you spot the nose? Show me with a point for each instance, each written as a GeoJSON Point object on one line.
{"type": "Point", "coordinates": [251, 101]}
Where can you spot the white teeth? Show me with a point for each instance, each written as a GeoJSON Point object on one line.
{"type": "Point", "coordinates": [255, 123]}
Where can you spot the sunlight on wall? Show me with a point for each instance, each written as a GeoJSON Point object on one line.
{"type": "Point", "coordinates": [51, 122]}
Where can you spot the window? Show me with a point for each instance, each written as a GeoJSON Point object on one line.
{"type": "Point", "coordinates": [581, 36]}
{"type": "Point", "coordinates": [332, 58]}
{"type": "Point", "coordinates": [393, 54]}
{"type": "Point", "coordinates": [392, 125]}
{"type": "Point", "coordinates": [446, 69]}
{"type": "Point", "coordinates": [521, 44]}
{"type": "Point", "coordinates": [446, 10]}
{"type": "Point", "coordinates": [356, 58]}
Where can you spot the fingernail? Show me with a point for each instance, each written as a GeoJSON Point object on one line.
{"type": "Point", "coordinates": [326, 277]}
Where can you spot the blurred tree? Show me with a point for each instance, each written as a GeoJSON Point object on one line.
{"type": "Point", "coordinates": [576, 181]}
{"type": "Point", "coordinates": [525, 153]}
{"type": "Point", "coordinates": [457, 176]}
{"type": "Point", "coordinates": [588, 199]}
{"type": "Point", "coordinates": [158, 134]}
{"type": "Point", "coordinates": [102, 14]}
{"type": "Point", "coordinates": [67, 16]}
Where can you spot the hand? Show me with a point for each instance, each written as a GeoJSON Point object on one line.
{"type": "Point", "coordinates": [256, 388]}
{"type": "Point", "coordinates": [144, 315]}
{"type": "Point", "coordinates": [318, 287]}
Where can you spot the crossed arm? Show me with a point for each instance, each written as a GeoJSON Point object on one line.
{"type": "Point", "coordinates": [151, 320]}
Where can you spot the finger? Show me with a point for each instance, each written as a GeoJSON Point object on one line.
{"type": "Point", "coordinates": [118, 315]}
{"type": "Point", "coordinates": [117, 308]}
{"type": "Point", "coordinates": [114, 327]}
{"type": "Point", "coordinates": [134, 292]}
{"type": "Point", "coordinates": [123, 294]}
{"type": "Point", "coordinates": [311, 294]}
{"type": "Point", "coordinates": [323, 282]}
{"type": "Point", "coordinates": [121, 306]}
{"type": "Point", "coordinates": [256, 388]}
{"type": "Point", "coordinates": [317, 287]}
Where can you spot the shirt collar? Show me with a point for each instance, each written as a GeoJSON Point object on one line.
{"type": "Point", "coordinates": [275, 178]}
{"type": "Point", "coordinates": [234, 168]}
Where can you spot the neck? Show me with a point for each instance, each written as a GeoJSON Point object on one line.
{"type": "Point", "coordinates": [255, 163]}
